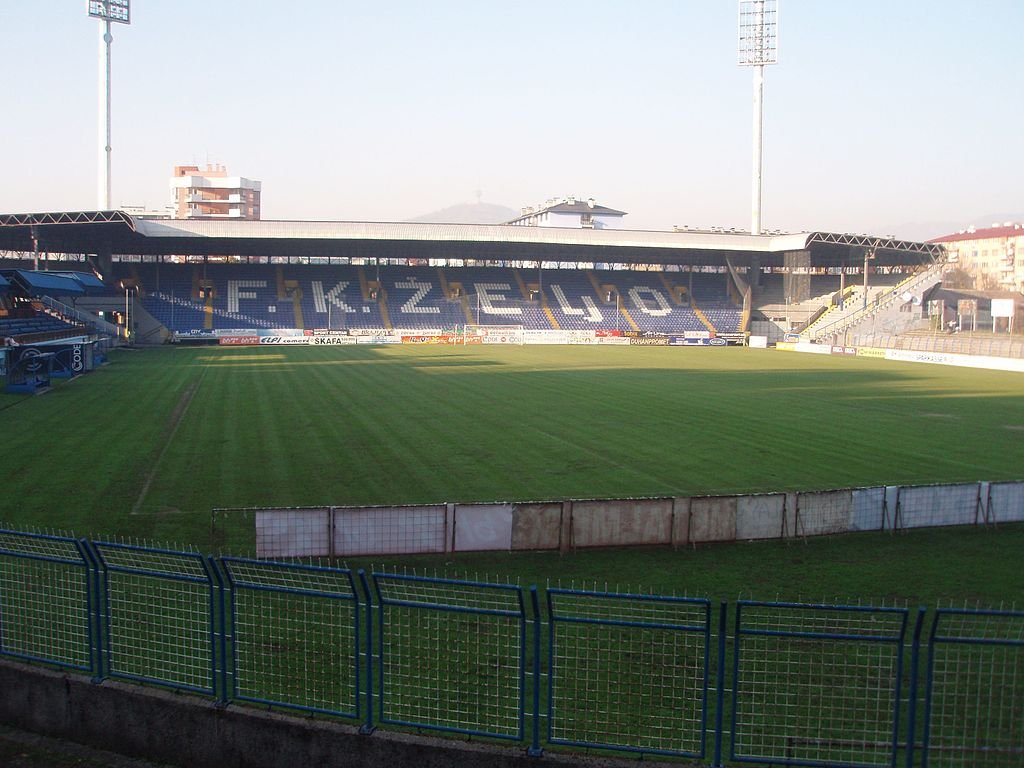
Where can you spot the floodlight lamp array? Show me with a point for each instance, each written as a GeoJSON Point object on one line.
{"type": "Point", "coordinates": [111, 10]}
{"type": "Point", "coordinates": [758, 32]}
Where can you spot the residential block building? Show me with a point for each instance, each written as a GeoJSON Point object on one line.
{"type": "Point", "coordinates": [212, 194]}
{"type": "Point", "coordinates": [569, 212]}
{"type": "Point", "coordinates": [993, 255]}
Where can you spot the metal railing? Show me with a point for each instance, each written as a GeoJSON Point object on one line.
{"type": "Point", "coordinates": [876, 308]}
{"type": "Point", "coordinates": [97, 324]}
{"type": "Point", "coordinates": [782, 683]}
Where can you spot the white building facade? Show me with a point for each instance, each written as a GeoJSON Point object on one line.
{"type": "Point", "coordinates": [570, 212]}
{"type": "Point", "coordinates": [212, 194]}
{"type": "Point", "coordinates": [993, 255]}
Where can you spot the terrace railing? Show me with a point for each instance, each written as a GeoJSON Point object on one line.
{"type": "Point", "coordinates": [782, 684]}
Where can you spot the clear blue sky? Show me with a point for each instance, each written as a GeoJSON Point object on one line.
{"type": "Point", "coordinates": [880, 113]}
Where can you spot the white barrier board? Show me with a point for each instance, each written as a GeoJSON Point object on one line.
{"type": "Point", "coordinates": [389, 530]}
{"type": "Point", "coordinates": [293, 533]}
{"type": "Point", "coordinates": [925, 506]}
{"type": "Point", "coordinates": [483, 527]}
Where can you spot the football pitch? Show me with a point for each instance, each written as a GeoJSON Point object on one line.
{"type": "Point", "coordinates": [149, 444]}
{"type": "Point", "coordinates": [145, 447]}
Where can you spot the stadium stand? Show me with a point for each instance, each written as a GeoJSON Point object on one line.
{"type": "Point", "coordinates": [191, 297]}
{"type": "Point", "coordinates": [31, 304]}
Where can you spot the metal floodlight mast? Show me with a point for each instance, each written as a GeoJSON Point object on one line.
{"type": "Point", "coordinates": [758, 46]}
{"type": "Point", "coordinates": [106, 11]}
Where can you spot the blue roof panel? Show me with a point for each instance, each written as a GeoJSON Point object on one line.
{"type": "Point", "coordinates": [46, 283]}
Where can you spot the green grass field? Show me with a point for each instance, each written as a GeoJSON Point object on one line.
{"type": "Point", "coordinates": [148, 445]}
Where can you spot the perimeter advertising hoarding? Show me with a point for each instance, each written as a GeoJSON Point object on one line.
{"type": "Point", "coordinates": [70, 359]}
{"type": "Point", "coordinates": [875, 352]}
{"type": "Point", "coordinates": [1003, 307]}
{"type": "Point", "coordinates": [238, 341]}
{"type": "Point", "coordinates": [279, 340]}
{"type": "Point", "coordinates": [332, 340]}
{"type": "Point", "coordinates": [648, 341]}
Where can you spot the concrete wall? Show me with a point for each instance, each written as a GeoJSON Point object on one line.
{"type": "Point", "coordinates": [189, 731]}
{"type": "Point", "coordinates": [537, 526]}
{"type": "Point", "coordinates": [563, 525]}
{"type": "Point", "coordinates": [619, 523]}
{"type": "Point", "coordinates": [1005, 502]}
{"type": "Point", "coordinates": [713, 518]}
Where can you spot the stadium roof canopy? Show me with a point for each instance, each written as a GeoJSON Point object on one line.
{"type": "Point", "coordinates": [45, 283]}
{"type": "Point", "coordinates": [115, 232]}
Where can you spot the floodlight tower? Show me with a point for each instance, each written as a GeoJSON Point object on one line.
{"type": "Point", "coordinates": [758, 46]}
{"type": "Point", "coordinates": [106, 11]}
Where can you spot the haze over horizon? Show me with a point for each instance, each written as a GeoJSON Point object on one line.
{"type": "Point", "coordinates": [881, 118]}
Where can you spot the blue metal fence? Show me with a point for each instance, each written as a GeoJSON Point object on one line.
{"type": "Point", "coordinates": [974, 714]}
{"type": "Point", "coordinates": [628, 672]}
{"type": "Point", "coordinates": [47, 595]}
{"type": "Point", "coordinates": [817, 684]}
{"type": "Point", "coordinates": [161, 617]}
{"type": "Point", "coordinates": [297, 639]}
{"type": "Point", "coordinates": [452, 655]}
{"type": "Point", "coordinates": [794, 684]}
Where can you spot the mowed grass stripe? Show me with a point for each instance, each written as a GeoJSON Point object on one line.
{"type": "Point", "coordinates": [397, 425]}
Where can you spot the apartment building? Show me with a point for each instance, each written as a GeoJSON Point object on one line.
{"type": "Point", "coordinates": [569, 212]}
{"type": "Point", "coordinates": [993, 255]}
{"type": "Point", "coordinates": [212, 194]}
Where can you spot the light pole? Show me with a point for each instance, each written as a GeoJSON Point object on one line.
{"type": "Point", "coordinates": [127, 311]}
{"type": "Point", "coordinates": [106, 11]}
{"type": "Point", "coordinates": [869, 254]}
{"type": "Point", "coordinates": [758, 46]}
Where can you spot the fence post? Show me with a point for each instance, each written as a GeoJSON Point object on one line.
{"type": "Point", "coordinates": [219, 628]}
{"type": "Point", "coordinates": [368, 727]}
{"type": "Point", "coordinates": [95, 609]}
{"type": "Point", "coordinates": [535, 749]}
{"type": "Point", "coordinates": [720, 693]}
{"type": "Point", "coordinates": [915, 655]}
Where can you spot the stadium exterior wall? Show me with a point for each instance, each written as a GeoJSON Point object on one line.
{"type": "Point", "coordinates": [591, 523]}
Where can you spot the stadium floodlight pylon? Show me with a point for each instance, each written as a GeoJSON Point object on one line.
{"type": "Point", "coordinates": [758, 46]}
{"type": "Point", "coordinates": [106, 11]}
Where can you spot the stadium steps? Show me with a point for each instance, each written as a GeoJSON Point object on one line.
{"type": "Point", "coordinates": [703, 318]}
{"type": "Point", "coordinates": [555, 325]}
{"type": "Point", "coordinates": [467, 311]}
{"type": "Point", "coordinates": [446, 287]}
{"type": "Point", "coordinates": [675, 292]}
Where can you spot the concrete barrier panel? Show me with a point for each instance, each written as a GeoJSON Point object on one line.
{"type": "Point", "coordinates": [536, 526]}
{"type": "Point", "coordinates": [1006, 503]}
{"type": "Point", "coordinates": [680, 521]}
{"type": "Point", "coordinates": [293, 533]}
{"type": "Point", "coordinates": [389, 530]}
{"type": "Point", "coordinates": [623, 522]}
{"type": "Point", "coordinates": [713, 518]}
{"type": "Point", "coordinates": [867, 510]}
{"type": "Point", "coordinates": [760, 517]}
{"type": "Point", "coordinates": [481, 527]}
{"type": "Point", "coordinates": [934, 505]}
{"type": "Point", "coordinates": [825, 512]}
